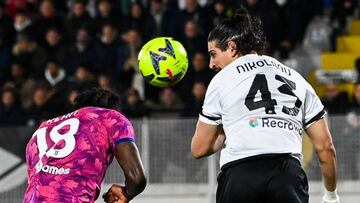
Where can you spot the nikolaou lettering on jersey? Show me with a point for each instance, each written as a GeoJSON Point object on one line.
{"type": "Point", "coordinates": [245, 67]}
{"type": "Point", "coordinates": [272, 122]}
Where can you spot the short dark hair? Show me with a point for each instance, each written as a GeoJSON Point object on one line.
{"type": "Point", "coordinates": [243, 29]}
{"type": "Point", "coordinates": [97, 97]}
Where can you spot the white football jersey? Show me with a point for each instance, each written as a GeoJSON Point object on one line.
{"type": "Point", "coordinates": [263, 105]}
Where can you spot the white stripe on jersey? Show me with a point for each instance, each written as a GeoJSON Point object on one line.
{"type": "Point", "coordinates": [263, 106]}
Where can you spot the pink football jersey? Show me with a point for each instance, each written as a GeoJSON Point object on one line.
{"type": "Point", "coordinates": [67, 156]}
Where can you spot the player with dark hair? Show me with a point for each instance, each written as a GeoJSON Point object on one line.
{"type": "Point", "coordinates": [67, 156]}
{"type": "Point", "coordinates": [255, 111]}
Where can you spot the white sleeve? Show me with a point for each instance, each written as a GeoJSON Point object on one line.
{"type": "Point", "coordinates": [314, 109]}
{"type": "Point", "coordinates": [211, 110]}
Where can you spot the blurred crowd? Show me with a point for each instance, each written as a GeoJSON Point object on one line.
{"type": "Point", "coordinates": [50, 50]}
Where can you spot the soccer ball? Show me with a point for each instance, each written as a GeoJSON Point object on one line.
{"type": "Point", "coordinates": [163, 61]}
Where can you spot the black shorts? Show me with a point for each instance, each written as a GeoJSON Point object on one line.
{"type": "Point", "coordinates": [270, 178]}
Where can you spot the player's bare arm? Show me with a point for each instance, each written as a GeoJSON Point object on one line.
{"type": "Point", "coordinates": [207, 139]}
{"type": "Point", "coordinates": [128, 157]}
{"type": "Point", "coordinates": [324, 147]}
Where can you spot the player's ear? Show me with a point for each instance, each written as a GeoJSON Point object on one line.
{"type": "Point", "coordinates": [232, 48]}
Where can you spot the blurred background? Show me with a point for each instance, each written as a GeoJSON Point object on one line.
{"type": "Point", "coordinates": [50, 50]}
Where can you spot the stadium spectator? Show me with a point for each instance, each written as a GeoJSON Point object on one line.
{"type": "Point", "coordinates": [136, 18]}
{"type": "Point", "coordinates": [133, 106]}
{"type": "Point", "coordinates": [127, 58]}
{"type": "Point", "coordinates": [294, 18]}
{"type": "Point", "coordinates": [317, 35]}
{"type": "Point", "coordinates": [193, 11]}
{"type": "Point", "coordinates": [199, 68]}
{"type": "Point", "coordinates": [72, 93]}
{"type": "Point", "coordinates": [22, 82]}
{"type": "Point", "coordinates": [54, 46]}
{"type": "Point", "coordinates": [218, 12]}
{"type": "Point", "coordinates": [192, 38]}
{"type": "Point", "coordinates": [104, 82]}
{"type": "Point", "coordinates": [82, 51]}
{"type": "Point", "coordinates": [106, 15]}
{"type": "Point", "coordinates": [85, 77]}
{"type": "Point", "coordinates": [198, 71]}
{"type": "Point", "coordinates": [6, 26]}
{"type": "Point", "coordinates": [160, 21]}
{"type": "Point", "coordinates": [5, 60]}
{"type": "Point", "coordinates": [55, 75]}
{"type": "Point", "coordinates": [194, 106]}
{"type": "Point", "coordinates": [48, 18]}
{"type": "Point", "coordinates": [355, 103]}
{"type": "Point", "coordinates": [40, 109]}
{"type": "Point", "coordinates": [26, 51]}
{"type": "Point", "coordinates": [340, 13]}
{"type": "Point", "coordinates": [12, 6]}
{"type": "Point", "coordinates": [23, 24]}
{"type": "Point", "coordinates": [170, 102]}
{"type": "Point", "coordinates": [76, 19]}
{"type": "Point", "coordinates": [270, 15]}
{"type": "Point", "coordinates": [334, 100]}
{"type": "Point", "coordinates": [107, 48]}
{"type": "Point", "coordinates": [11, 112]}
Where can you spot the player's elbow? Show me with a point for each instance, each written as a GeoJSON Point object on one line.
{"type": "Point", "coordinates": [140, 182]}
{"type": "Point", "coordinates": [196, 154]}
{"type": "Point", "coordinates": [196, 151]}
{"type": "Point", "coordinates": [137, 181]}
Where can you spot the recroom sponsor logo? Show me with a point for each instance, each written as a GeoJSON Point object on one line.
{"type": "Point", "coordinates": [271, 122]}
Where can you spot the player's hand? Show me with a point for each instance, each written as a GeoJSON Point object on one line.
{"type": "Point", "coordinates": [116, 194]}
{"type": "Point", "coordinates": [330, 197]}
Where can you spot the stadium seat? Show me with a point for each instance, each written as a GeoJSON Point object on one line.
{"type": "Point", "coordinates": [348, 44]}
{"type": "Point", "coordinates": [338, 61]}
{"type": "Point", "coordinates": [355, 27]}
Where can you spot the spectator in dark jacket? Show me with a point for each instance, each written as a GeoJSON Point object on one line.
{"type": "Point", "coordinates": [133, 106]}
{"type": "Point", "coordinates": [77, 18]}
{"type": "Point", "coordinates": [47, 19]}
{"type": "Point", "coordinates": [355, 103]}
{"type": "Point", "coordinates": [26, 51]}
{"type": "Point", "coordinates": [193, 11]}
{"type": "Point", "coordinates": [161, 21]}
{"type": "Point", "coordinates": [5, 59]}
{"type": "Point", "coordinates": [334, 100]}
{"type": "Point", "coordinates": [136, 18]}
{"type": "Point", "coordinates": [106, 14]}
{"type": "Point", "coordinates": [54, 46]}
{"type": "Point", "coordinates": [192, 39]}
{"type": "Point", "coordinates": [83, 51]}
{"type": "Point", "coordinates": [40, 109]}
{"type": "Point", "coordinates": [11, 112]}
{"type": "Point", "coordinates": [6, 26]}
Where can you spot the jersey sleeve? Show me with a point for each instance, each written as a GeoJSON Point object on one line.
{"type": "Point", "coordinates": [122, 130]}
{"type": "Point", "coordinates": [211, 110]}
{"type": "Point", "coordinates": [314, 109]}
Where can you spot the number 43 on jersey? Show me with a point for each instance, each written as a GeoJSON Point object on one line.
{"type": "Point", "coordinates": [260, 84]}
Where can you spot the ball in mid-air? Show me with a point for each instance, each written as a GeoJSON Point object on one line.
{"type": "Point", "coordinates": [163, 61]}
